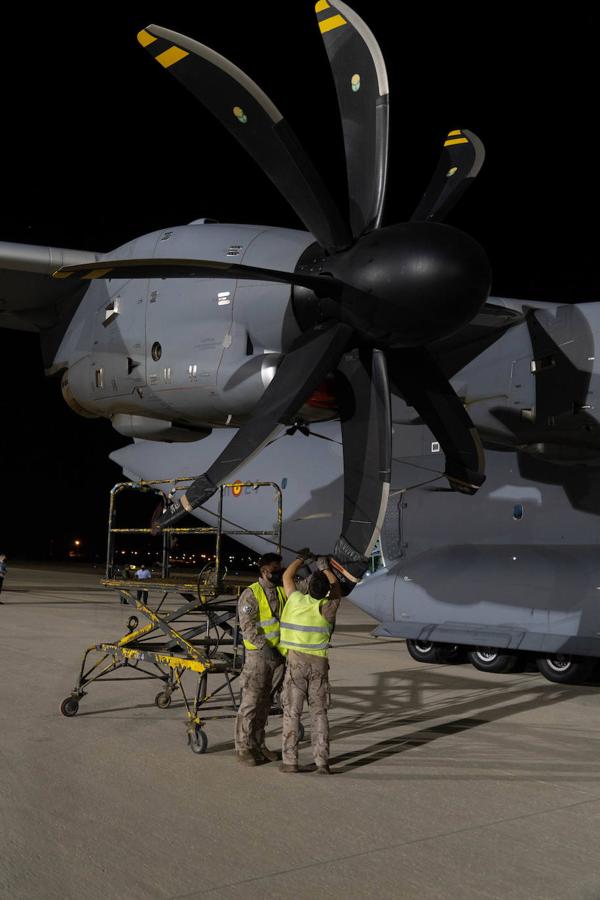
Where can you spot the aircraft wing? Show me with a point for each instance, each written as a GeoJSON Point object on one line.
{"type": "Point", "coordinates": [30, 299]}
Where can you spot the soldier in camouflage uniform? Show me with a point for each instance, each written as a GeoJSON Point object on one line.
{"type": "Point", "coordinates": [260, 607]}
{"type": "Point", "coordinates": [306, 625]}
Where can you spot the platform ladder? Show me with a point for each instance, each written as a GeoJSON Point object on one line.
{"type": "Point", "coordinates": [200, 635]}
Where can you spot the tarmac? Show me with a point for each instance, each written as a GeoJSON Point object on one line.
{"type": "Point", "coordinates": [448, 782]}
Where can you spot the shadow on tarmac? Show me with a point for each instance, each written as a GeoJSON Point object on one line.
{"type": "Point", "coordinates": [419, 695]}
{"type": "Point", "coordinates": [377, 709]}
{"type": "Point", "coordinates": [373, 710]}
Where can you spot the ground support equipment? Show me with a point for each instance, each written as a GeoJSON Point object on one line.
{"type": "Point", "coordinates": [199, 635]}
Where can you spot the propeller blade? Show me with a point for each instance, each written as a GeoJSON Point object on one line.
{"type": "Point", "coordinates": [363, 398]}
{"type": "Point", "coordinates": [362, 88]}
{"type": "Point", "coordinates": [312, 356]}
{"type": "Point", "coordinates": [250, 116]}
{"type": "Point", "coordinates": [322, 285]}
{"type": "Point", "coordinates": [416, 376]}
{"type": "Point", "coordinates": [462, 158]}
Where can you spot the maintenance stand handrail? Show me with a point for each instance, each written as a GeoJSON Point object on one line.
{"type": "Point", "coordinates": [178, 484]}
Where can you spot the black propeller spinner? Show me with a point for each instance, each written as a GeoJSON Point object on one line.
{"type": "Point", "coordinates": [369, 299]}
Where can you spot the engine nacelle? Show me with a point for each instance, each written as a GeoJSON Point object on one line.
{"type": "Point", "coordinates": [156, 430]}
{"type": "Point", "coordinates": [74, 401]}
{"type": "Point", "coordinates": [101, 384]}
{"type": "Point", "coordinates": [163, 357]}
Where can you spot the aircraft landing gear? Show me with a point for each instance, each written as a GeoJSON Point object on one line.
{"type": "Point", "coordinates": [491, 659]}
{"type": "Point", "coordinates": [432, 652]}
{"type": "Point", "coordinates": [564, 669]}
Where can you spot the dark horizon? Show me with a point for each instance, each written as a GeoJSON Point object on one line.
{"type": "Point", "coordinates": [101, 145]}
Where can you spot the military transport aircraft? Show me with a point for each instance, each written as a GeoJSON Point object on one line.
{"type": "Point", "coordinates": [360, 366]}
{"type": "Point", "coordinates": [282, 310]}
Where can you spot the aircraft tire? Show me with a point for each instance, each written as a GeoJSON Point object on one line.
{"type": "Point", "coordinates": [490, 659]}
{"type": "Point", "coordinates": [432, 652]}
{"type": "Point", "coordinates": [561, 668]}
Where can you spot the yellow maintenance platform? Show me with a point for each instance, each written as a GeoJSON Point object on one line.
{"type": "Point", "coordinates": [200, 635]}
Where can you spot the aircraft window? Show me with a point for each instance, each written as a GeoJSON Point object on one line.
{"type": "Point", "coordinates": [111, 311]}
{"type": "Point", "coordinates": [518, 511]}
{"type": "Point", "coordinates": [99, 378]}
{"type": "Point", "coordinates": [156, 351]}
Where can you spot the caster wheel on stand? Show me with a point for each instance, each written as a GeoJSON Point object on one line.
{"type": "Point", "coordinates": [133, 623]}
{"type": "Point", "coordinates": [69, 707]}
{"type": "Point", "coordinates": [197, 740]}
{"type": "Point", "coordinates": [163, 699]}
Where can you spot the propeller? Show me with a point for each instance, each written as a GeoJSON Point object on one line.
{"type": "Point", "coordinates": [365, 416]}
{"type": "Point", "coordinates": [361, 84]}
{"type": "Point", "coordinates": [254, 120]}
{"type": "Point", "coordinates": [369, 299]}
{"type": "Point", "coordinates": [459, 164]}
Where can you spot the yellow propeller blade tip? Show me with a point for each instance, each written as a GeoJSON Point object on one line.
{"type": "Point", "coordinates": [145, 38]}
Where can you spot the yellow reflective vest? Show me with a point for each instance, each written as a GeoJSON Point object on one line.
{"type": "Point", "coordinates": [268, 623]}
{"type": "Point", "coordinates": [303, 627]}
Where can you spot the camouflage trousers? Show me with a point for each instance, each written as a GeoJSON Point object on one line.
{"type": "Point", "coordinates": [306, 678]}
{"type": "Point", "coordinates": [261, 672]}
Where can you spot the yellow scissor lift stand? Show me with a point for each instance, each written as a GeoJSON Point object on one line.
{"type": "Point", "coordinates": [200, 635]}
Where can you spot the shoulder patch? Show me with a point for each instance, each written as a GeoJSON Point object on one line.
{"type": "Point", "coordinates": [246, 608]}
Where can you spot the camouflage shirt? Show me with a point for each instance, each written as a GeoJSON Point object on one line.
{"type": "Point", "coordinates": [330, 608]}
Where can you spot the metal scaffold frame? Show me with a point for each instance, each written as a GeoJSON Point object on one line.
{"type": "Point", "coordinates": [207, 640]}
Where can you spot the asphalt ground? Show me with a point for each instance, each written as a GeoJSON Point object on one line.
{"type": "Point", "coordinates": [448, 782]}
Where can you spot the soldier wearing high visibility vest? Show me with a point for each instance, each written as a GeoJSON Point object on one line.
{"type": "Point", "coordinates": [306, 625]}
{"type": "Point", "coordinates": [260, 607]}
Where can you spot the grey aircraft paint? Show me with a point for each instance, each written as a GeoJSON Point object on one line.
{"type": "Point", "coordinates": [198, 354]}
{"type": "Point", "coordinates": [512, 567]}
{"type": "Point", "coordinates": [186, 361]}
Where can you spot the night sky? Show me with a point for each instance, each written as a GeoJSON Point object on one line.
{"type": "Point", "coordinates": [100, 145]}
